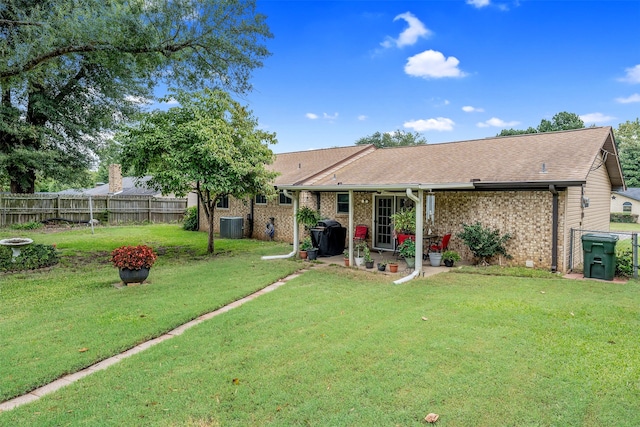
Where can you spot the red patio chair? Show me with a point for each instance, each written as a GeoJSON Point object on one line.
{"type": "Point", "coordinates": [360, 234]}
{"type": "Point", "coordinates": [442, 245]}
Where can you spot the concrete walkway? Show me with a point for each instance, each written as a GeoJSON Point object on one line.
{"type": "Point", "coordinates": [69, 379]}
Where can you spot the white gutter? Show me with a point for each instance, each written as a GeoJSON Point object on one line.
{"type": "Point", "coordinates": [378, 187]}
{"type": "Point", "coordinates": [419, 233]}
{"type": "Point", "coordinates": [293, 197]}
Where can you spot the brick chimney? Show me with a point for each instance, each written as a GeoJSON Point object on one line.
{"type": "Point", "coordinates": [115, 179]}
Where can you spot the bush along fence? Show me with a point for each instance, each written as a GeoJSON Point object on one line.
{"type": "Point", "coordinates": [26, 208]}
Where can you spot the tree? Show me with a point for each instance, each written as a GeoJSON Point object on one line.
{"type": "Point", "coordinates": [71, 70]}
{"type": "Point", "coordinates": [561, 121]}
{"type": "Point", "coordinates": [628, 142]}
{"type": "Point", "coordinates": [392, 139]}
{"type": "Point", "coordinates": [209, 144]}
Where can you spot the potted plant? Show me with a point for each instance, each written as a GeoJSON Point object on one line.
{"type": "Point", "coordinates": [346, 257]}
{"type": "Point", "coordinates": [382, 265]}
{"type": "Point", "coordinates": [304, 247]}
{"type": "Point", "coordinates": [133, 262]}
{"type": "Point", "coordinates": [368, 261]}
{"type": "Point", "coordinates": [393, 267]}
{"type": "Point", "coordinates": [360, 247]}
{"type": "Point", "coordinates": [450, 257]}
{"type": "Point", "coordinates": [404, 224]}
{"type": "Point", "coordinates": [407, 250]}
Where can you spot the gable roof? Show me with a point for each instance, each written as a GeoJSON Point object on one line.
{"type": "Point", "coordinates": [535, 160]}
{"type": "Point", "coordinates": [131, 186]}
{"type": "Point", "coordinates": [631, 193]}
{"type": "Point", "coordinates": [308, 166]}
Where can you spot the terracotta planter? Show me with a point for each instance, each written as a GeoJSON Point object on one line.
{"type": "Point", "coordinates": [346, 262]}
{"type": "Point", "coordinates": [133, 276]}
{"type": "Point", "coordinates": [393, 267]}
{"type": "Point", "coordinates": [303, 254]}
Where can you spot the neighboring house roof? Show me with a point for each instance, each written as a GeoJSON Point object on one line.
{"type": "Point", "coordinates": [533, 160]}
{"type": "Point", "coordinates": [130, 187]}
{"type": "Point", "coordinates": [631, 193]}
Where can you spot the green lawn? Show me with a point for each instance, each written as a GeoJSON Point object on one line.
{"type": "Point", "coordinates": [336, 347]}
{"type": "Point", "coordinates": [623, 226]}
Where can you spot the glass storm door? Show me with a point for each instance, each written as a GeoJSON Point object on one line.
{"type": "Point", "coordinates": [384, 233]}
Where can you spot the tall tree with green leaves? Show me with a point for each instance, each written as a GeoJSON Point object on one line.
{"type": "Point", "coordinates": [72, 70]}
{"type": "Point", "coordinates": [210, 144]}
{"type": "Point", "coordinates": [628, 142]}
{"type": "Point", "coordinates": [397, 138]}
{"type": "Point", "coordinates": [561, 121]}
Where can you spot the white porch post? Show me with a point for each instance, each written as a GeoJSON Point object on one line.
{"type": "Point", "coordinates": [351, 228]}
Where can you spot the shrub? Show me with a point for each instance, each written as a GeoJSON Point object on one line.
{"type": "Point", "coordinates": [191, 219]}
{"type": "Point", "coordinates": [33, 225]}
{"type": "Point", "coordinates": [483, 242]}
{"type": "Point", "coordinates": [623, 217]}
{"type": "Point", "coordinates": [407, 249]}
{"type": "Point", "coordinates": [31, 257]}
{"type": "Point", "coordinates": [133, 257]}
{"type": "Point", "coordinates": [624, 262]}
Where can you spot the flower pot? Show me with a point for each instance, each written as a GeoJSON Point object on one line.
{"type": "Point", "coordinates": [368, 264]}
{"type": "Point", "coordinates": [359, 261]}
{"type": "Point", "coordinates": [312, 254]}
{"type": "Point", "coordinates": [411, 262]}
{"type": "Point", "coordinates": [448, 262]}
{"type": "Point", "coordinates": [382, 267]}
{"type": "Point", "coordinates": [303, 254]}
{"type": "Point", "coordinates": [435, 258]}
{"type": "Point", "coordinates": [346, 262]}
{"type": "Point", "coordinates": [133, 276]}
{"type": "Point", "coordinates": [393, 267]}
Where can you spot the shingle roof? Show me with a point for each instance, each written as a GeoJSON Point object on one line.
{"type": "Point", "coordinates": [567, 156]}
{"type": "Point", "coordinates": [310, 165]}
{"type": "Point", "coordinates": [632, 193]}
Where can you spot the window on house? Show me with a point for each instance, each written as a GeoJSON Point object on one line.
{"type": "Point", "coordinates": [626, 207]}
{"type": "Point", "coordinates": [342, 200]}
{"type": "Point", "coordinates": [223, 202]}
{"type": "Point", "coordinates": [261, 199]}
{"type": "Point", "coordinates": [284, 200]}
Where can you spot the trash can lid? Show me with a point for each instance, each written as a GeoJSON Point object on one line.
{"type": "Point", "coordinates": [600, 237]}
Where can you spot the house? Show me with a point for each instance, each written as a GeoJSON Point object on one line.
{"type": "Point", "coordinates": [627, 202]}
{"type": "Point", "coordinates": [536, 187]}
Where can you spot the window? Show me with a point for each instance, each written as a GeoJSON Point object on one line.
{"type": "Point", "coordinates": [223, 202]}
{"type": "Point", "coordinates": [284, 200]}
{"type": "Point", "coordinates": [261, 199]}
{"type": "Point", "coordinates": [626, 207]}
{"type": "Point", "coordinates": [342, 200]}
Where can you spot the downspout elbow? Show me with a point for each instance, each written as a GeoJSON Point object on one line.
{"type": "Point", "coordinates": [295, 230]}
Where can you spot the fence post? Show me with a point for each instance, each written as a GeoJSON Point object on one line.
{"type": "Point", "coordinates": [149, 214]}
{"type": "Point", "coordinates": [634, 245]}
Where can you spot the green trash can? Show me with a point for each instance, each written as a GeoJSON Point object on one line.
{"type": "Point", "coordinates": [599, 255]}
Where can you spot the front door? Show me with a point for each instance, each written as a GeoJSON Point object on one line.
{"type": "Point", "coordinates": [384, 232]}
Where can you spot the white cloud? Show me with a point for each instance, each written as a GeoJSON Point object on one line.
{"type": "Point", "coordinates": [595, 118]}
{"type": "Point", "coordinates": [633, 75]}
{"type": "Point", "coordinates": [362, 117]}
{"type": "Point", "coordinates": [410, 35]}
{"type": "Point", "coordinates": [497, 123]}
{"type": "Point", "coordinates": [470, 109]}
{"type": "Point", "coordinates": [329, 117]}
{"type": "Point", "coordinates": [479, 3]}
{"type": "Point", "coordinates": [633, 98]}
{"type": "Point", "coordinates": [311, 116]}
{"type": "Point", "coordinates": [431, 63]}
{"type": "Point", "coordinates": [138, 99]}
{"type": "Point", "coordinates": [439, 124]}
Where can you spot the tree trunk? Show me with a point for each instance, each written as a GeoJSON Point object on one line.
{"type": "Point", "coordinates": [210, 245]}
{"type": "Point", "coordinates": [22, 182]}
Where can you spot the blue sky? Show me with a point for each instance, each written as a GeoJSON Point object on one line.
{"type": "Point", "coordinates": [450, 69]}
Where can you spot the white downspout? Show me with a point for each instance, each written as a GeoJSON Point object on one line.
{"type": "Point", "coordinates": [293, 197]}
{"type": "Point", "coordinates": [419, 233]}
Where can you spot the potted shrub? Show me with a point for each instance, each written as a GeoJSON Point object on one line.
{"type": "Point", "coordinates": [404, 224]}
{"type": "Point", "coordinates": [346, 257]}
{"type": "Point", "coordinates": [407, 250]}
{"type": "Point", "coordinates": [368, 261]}
{"type": "Point", "coordinates": [304, 247]}
{"type": "Point", "coordinates": [450, 257]}
{"type": "Point", "coordinates": [360, 247]}
{"type": "Point", "coordinates": [133, 262]}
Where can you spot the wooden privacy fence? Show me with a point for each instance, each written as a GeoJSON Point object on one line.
{"type": "Point", "coordinates": [23, 208]}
